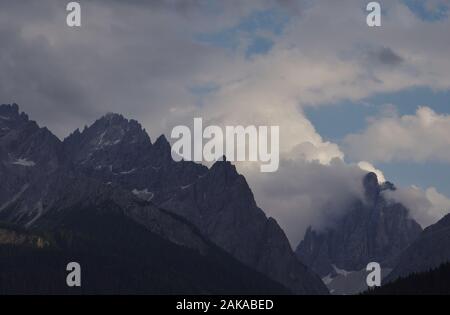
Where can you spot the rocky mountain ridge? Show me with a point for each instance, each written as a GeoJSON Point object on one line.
{"type": "Point", "coordinates": [114, 160]}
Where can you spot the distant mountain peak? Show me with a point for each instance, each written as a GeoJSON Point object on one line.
{"type": "Point", "coordinates": [388, 186]}
{"type": "Point", "coordinates": [9, 107]}
{"type": "Point", "coordinates": [111, 139]}
{"type": "Point", "coordinates": [371, 230]}
{"type": "Point", "coordinates": [224, 167]}
{"type": "Point", "coordinates": [371, 187]}
{"type": "Point", "coordinates": [161, 141]}
{"type": "Point", "coordinates": [114, 119]}
{"type": "Point", "coordinates": [117, 127]}
{"type": "Point", "coordinates": [11, 112]}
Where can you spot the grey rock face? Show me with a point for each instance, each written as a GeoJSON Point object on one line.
{"type": "Point", "coordinates": [115, 158]}
{"type": "Point", "coordinates": [218, 201]}
{"type": "Point", "coordinates": [117, 150]}
{"type": "Point", "coordinates": [221, 204]}
{"type": "Point", "coordinates": [23, 143]}
{"type": "Point", "coordinates": [373, 230]}
{"type": "Point", "coordinates": [28, 155]}
{"type": "Point", "coordinates": [111, 142]}
{"type": "Point", "coordinates": [430, 250]}
{"type": "Point", "coordinates": [153, 253]}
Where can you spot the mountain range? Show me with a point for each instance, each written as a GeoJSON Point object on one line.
{"type": "Point", "coordinates": [109, 192]}
{"type": "Point", "coordinates": [139, 222]}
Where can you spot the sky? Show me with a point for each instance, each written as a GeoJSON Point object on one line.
{"type": "Point", "coordinates": [346, 97]}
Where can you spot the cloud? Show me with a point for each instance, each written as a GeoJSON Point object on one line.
{"type": "Point", "coordinates": [130, 57]}
{"type": "Point", "coordinates": [420, 137]}
{"type": "Point", "coordinates": [426, 206]}
{"type": "Point", "coordinates": [385, 56]}
{"type": "Point", "coordinates": [303, 193]}
{"type": "Point", "coordinates": [142, 58]}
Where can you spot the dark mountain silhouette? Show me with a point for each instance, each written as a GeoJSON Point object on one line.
{"type": "Point", "coordinates": [432, 282]}
{"type": "Point", "coordinates": [430, 250]}
{"type": "Point", "coordinates": [113, 164]}
{"type": "Point", "coordinates": [121, 257]}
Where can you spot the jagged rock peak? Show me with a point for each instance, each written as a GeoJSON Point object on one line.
{"type": "Point", "coordinates": [224, 166]}
{"type": "Point", "coordinates": [371, 187]}
{"type": "Point", "coordinates": [14, 108]}
{"type": "Point", "coordinates": [162, 142]}
{"type": "Point", "coordinates": [11, 111]}
{"type": "Point", "coordinates": [116, 127]}
{"type": "Point", "coordinates": [113, 119]}
{"type": "Point", "coordinates": [76, 132]}
{"type": "Point", "coordinates": [388, 186]}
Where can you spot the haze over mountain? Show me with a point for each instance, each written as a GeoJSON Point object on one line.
{"type": "Point", "coordinates": [373, 230]}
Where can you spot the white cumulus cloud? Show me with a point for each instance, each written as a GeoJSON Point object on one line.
{"type": "Point", "coordinates": [426, 206]}
{"type": "Point", "coordinates": [421, 137]}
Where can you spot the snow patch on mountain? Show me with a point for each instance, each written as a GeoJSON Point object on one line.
{"type": "Point", "coordinates": [24, 162]}
{"type": "Point", "coordinates": [327, 280]}
{"type": "Point", "coordinates": [341, 272]}
{"type": "Point", "coordinates": [186, 186]}
{"type": "Point", "coordinates": [128, 172]}
{"type": "Point", "coordinates": [143, 194]}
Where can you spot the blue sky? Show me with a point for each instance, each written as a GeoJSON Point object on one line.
{"type": "Point", "coordinates": [419, 7]}
{"type": "Point", "coordinates": [336, 121]}
{"type": "Point", "coordinates": [258, 27]}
